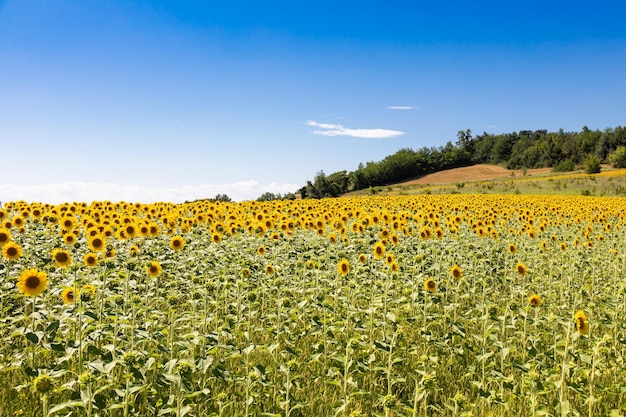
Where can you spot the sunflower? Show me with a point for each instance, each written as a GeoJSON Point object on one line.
{"type": "Point", "coordinates": [43, 383]}
{"type": "Point", "coordinates": [379, 250]}
{"type": "Point", "coordinates": [216, 238]}
{"type": "Point", "coordinates": [32, 282]}
{"type": "Point", "coordinates": [177, 243]}
{"type": "Point", "coordinates": [269, 269]}
{"type": "Point", "coordinates": [425, 233]}
{"type": "Point", "coordinates": [68, 223]}
{"type": "Point", "coordinates": [154, 269]}
{"type": "Point", "coordinates": [332, 237]}
{"type": "Point", "coordinates": [456, 272]}
{"type": "Point", "coordinates": [96, 243]}
{"type": "Point", "coordinates": [363, 258]}
{"type": "Point", "coordinates": [5, 236]}
{"type": "Point", "coordinates": [90, 259]}
{"type": "Point", "coordinates": [261, 250]}
{"type": "Point", "coordinates": [61, 257]}
{"type": "Point", "coordinates": [69, 238]}
{"type": "Point", "coordinates": [130, 230]}
{"type": "Point", "coordinates": [69, 295]}
{"type": "Point", "coordinates": [582, 324]}
{"type": "Point", "coordinates": [343, 267]}
{"type": "Point", "coordinates": [87, 292]}
{"type": "Point", "coordinates": [430, 285]}
{"type": "Point", "coordinates": [512, 248]}
{"type": "Point", "coordinates": [563, 246]}
{"type": "Point", "coordinates": [534, 300]}
{"type": "Point", "coordinates": [133, 250]}
{"type": "Point", "coordinates": [309, 264]}
{"type": "Point", "coordinates": [521, 268]}
{"type": "Point", "coordinates": [394, 266]}
{"type": "Point", "coordinates": [153, 229]}
{"type": "Point", "coordinates": [389, 259]}
{"type": "Point", "coordinates": [11, 251]}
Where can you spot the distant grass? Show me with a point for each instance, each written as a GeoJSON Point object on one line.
{"type": "Point", "coordinates": [609, 182]}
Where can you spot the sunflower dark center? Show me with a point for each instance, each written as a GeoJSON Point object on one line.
{"type": "Point", "coordinates": [61, 257]}
{"type": "Point", "coordinates": [32, 281]}
{"type": "Point", "coordinates": [12, 251]}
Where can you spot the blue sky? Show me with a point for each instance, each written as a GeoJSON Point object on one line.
{"type": "Point", "coordinates": [177, 100]}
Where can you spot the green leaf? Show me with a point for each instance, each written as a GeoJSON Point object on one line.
{"type": "Point", "coordinates": [32, 337]}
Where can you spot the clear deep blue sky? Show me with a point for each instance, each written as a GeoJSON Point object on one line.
{"type": "Point", "coordinates": [175, 100]}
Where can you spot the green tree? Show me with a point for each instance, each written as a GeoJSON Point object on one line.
{"type": "Point", "coordinates": [591, 164]}
{"type": "Point", "coordinates": [618, 158]}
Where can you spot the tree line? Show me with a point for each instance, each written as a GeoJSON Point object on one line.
{"type": "Point", "coordinates": [562, 151]}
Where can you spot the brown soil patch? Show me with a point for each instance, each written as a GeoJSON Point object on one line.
{"type": "Point", "coordinates": [473, 173]}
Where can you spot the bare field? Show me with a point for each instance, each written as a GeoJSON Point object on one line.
{"type": "Point", "coordinates": [472, 173]}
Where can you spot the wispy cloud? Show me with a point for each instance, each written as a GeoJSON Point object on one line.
{"type": "Point", "coordinates": [57, 193]}
{"type": "Point", "coordinates": [402, 107]}
{"type": "Point", "coordinates": [326, 129]}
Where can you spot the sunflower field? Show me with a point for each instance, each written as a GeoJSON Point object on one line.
{"type": "Point", "coordinates": [447, 305]}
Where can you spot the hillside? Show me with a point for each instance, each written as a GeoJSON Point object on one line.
{"type": "Point", "coordinates": [493, 179]}
{"type": "Point", "coordinates": [472, 173]}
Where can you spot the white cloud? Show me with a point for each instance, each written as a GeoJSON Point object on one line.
{"type": "Point", "coordinates": [340, 130]}
{"type": "Point", "coordinates": [401, 107]}
{"type": "Point", "coordinates": [56, 193]}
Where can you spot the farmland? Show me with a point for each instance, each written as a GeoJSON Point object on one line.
{"type": "Point", "coordinates": [425, 305]}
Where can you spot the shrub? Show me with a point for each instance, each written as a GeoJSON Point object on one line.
{"type": "Point", "coordinates": [591, 165]}
{"type": "Point", "coordinates": [564, 166]}
{"type": "Point", "coordinates": [618, 158]}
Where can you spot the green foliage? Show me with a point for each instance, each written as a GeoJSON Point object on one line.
{"type": "Point", "coordinates": [221, 197]}
{"type": "Point", "coordinates": [566, 165]}
{"type": "Point", "coordinates": [618, 158]}
{"type": "Point", "coordinates": [267, 196]}
{"type": "Point", "coordinates": [517, 150]}
{"type": "Point", "coordinates": [591, 164]}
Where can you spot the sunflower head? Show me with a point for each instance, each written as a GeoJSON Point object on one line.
{"type": "Point", "coordinates": [11, 251]}
{"type": "Point", "coordinates": [430, 285]}
{"type": "Point", "coordinates": [379, 250]}
{"type": "Point", "coordinates": [5, 236]}
{"type": "Point", "coordinates": [177, 243]}
{"type": "Point", "coordinates": [363, 258]}
{"type": "Point", "coordinates": [61, 257]}
{"type": "Point", "coordinates": [32, 282]}
{"type": "Point", "coordinates": [69, 295]}
{"type": "Point", "coordinates": [582, 324]}
{"type": "Point", "coordinates": [90, 259]}
{"type": "Point", "coordinates": [154, 269]}
{"type": "Point", "coordinates": [261, 250]}
{"type": "Point", "coordinates": [534, 300]}
{"type": "Point", "coordinates": [512, 248]}
{"type": "Point", "coordinates": [97, 243]}
{"type": "Point", "coordinates": [343, 267]}
{"type": "Point", "coordinates": [269, 269]}
{"type": "Point", "coordinates": [456, 272]}
{"type": "Point", "coordinates": [521, 268]}
{"type": "Point", "coordinates": [43, 384]}
{"type": "Point", "coordinates": [87, 292]}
